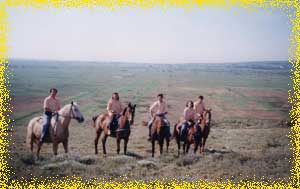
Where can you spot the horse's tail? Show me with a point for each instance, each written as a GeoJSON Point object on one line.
{"type": "Point", "coordinates": [174, 134]}
{"type": "Point", "coordinates": [29, 133]}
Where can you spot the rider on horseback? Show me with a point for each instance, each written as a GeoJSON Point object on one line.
{"type": "Point", "coordinates": [189, 118]}
{"type": "Point", "coordinates": [158, 108]}
{"type": "Point", "coordinates": [199, 107]}
{"type": "Point", "coordinates": [51, 106]}
{"type": "Point", "coordinates": [114, 109]}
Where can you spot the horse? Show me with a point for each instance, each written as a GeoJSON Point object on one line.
{"type": "Point", "coordinates": [122, 132]}
{"type": "Point", "coordinates": [192, 136]}
{"type": "Point", "coordinates": [205, 128]}
{"type": "Point", "coordinates": [59, 130]}
{"type": "Point", "coordinates": [159, 132]}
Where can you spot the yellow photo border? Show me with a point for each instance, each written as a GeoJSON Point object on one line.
{"type": "Point", "coordinates": [291, 8]}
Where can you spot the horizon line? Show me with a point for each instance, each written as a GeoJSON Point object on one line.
{"type": "Point", "coordinates": [135, 62]}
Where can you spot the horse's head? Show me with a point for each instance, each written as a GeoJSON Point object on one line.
{"type": "Point", "coordinates": [75, 112]}
{"type": "Point", "coordinates": [206, 116]}
{"type": "Point", "coordinates": [129, 111]}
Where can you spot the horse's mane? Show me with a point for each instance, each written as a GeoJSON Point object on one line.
{"type": "Point", "coordinates": [124, 111]}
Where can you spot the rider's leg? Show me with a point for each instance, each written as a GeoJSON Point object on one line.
{"type": "Point", "coordinates": [167, 123]}
{"type": "Point", "coordinates": [47, 122]}
{"type": "Point", "coordinates": [110, 123]}
{"type": "Point", "coordinates": [150, 126]}
{"type": "Point", "coordinates": [184, 128]}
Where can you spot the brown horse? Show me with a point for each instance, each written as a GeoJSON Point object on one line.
{"type": "Point", "coordinates": [122, 132]}
{"type": "Point", "coordinates": [192, 136]}
{"type": "Point", "coordinates": [205, 128]}
{"type": "Point", "coordinates": [159, 132]}
{"type": "Point", "coordinates": [59, 130]}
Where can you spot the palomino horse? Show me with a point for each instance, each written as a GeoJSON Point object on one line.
{"type": "Point", "coordinates": [192, 136]}
{"type": "Point", "coordinates": [205, 128]}
{"type": "Point", "coordinates": [59, 130]}
{"type": "Point", "coordinates": [122, 131]}
{"type": "Point", "coordinates": [159, 132]}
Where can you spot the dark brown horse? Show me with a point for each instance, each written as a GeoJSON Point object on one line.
{"type": "Point", "coordinates": [159, 132]}
{"type": "Point", "coordinates": [192, 136]}
{"type": "Point", "coordinates": [122, 132]}
{"type": "Point", "coordinates": [205, 128]}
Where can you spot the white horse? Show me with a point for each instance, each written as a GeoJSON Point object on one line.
{"type": "Point", "coordinates": [58, 131]}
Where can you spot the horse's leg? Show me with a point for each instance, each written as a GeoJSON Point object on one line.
{"type": "Point", "coordinates": [39, 145]}
{"type": "Point", "coordinates": [55, 147]}
{"type": "Point", "coordinates": [161, 145]}
{"type": "Point", "coordinates": [184, 145]}
{"type": "Point", "coordinates": [103, 143]}
{"type": "Point", "coordinates": [153, 147]}
{"type": "Point", "coordinates": [118, 144]}
{"type": "Point", "coordinates": [196, 146]}
{"type": "Point", "coordinates": [203, 144]}
{"type": "Point", "coordinates": [168, 142]}
{"type": "Point", "coordinates": [125, 145]}
{"type": "Point", "coordinates": [98, 134]}
{"type": "Point", "coordinates": [188, 147]}
{"type": "Point", "coordinates": [178, 145]}
{"type": "Point", "coordinates": [65, 144]}
{"type": "Point", "coordinates": [31, 144]}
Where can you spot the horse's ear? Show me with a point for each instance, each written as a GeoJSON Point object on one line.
{"type": "Point", "coordinates": [134, 106]}
{"type": "Point", "coordinates": [129, 104]}
{"type": "Point", "coordinates": [72, 103]}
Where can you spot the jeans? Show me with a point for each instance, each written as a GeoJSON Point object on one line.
{"type": "Point", "coordinates": [165, 120]}
{"type": "Point", "coordinates": [184, 128]}
{"type": "Point", "coordinates": [47, 123]}
{"type": "Point", "coordinates": [113, 120]}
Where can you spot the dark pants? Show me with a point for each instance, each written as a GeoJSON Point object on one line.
{"type": "Point", "coordinates": [165, 120]}
{"type": "Point", "coordinates": [47, 123]}
{"type": "Point", "coordinates": [114, 121]}
{"type": "Point", "coordinates": [184, 129]}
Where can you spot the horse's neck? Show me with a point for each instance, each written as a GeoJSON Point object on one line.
{"type": "Point", "coordinates": [65, 122]}
{"type": "Point", "coordinates": [65, 118]}
{"type": "Point", "coordinates": [157, 123]}
{"type": "Point", "coordinates": [123, 120]}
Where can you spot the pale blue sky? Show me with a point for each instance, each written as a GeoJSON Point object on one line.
{"type": "Point", "coordinates": [154, 35]}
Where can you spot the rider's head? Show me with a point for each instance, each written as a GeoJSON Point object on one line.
{"type": "Point", "coordinates": [189, 104]}
{"type": "Point", "coordinates": [160, 97]}
{"type": "Point", "coordinates": [53, 92]}
{"type": "Point", "coordinates": [201, 98]}
{"type": "Point", "coordinates": [115, 96]}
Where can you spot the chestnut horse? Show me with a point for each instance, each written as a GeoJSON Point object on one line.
{"type": "Point", "coordinates": [197, 134]}
{"type": "Point", "coordinates": [205, 128]}
{"type": "Point", "coordinates": [58, 131]}
{"type": "Point", "coordinates": [192, 137]}
{"type": "Point", "coordinates": [159, 132]}
{"type": "Point", "coordinates": [122, 132]}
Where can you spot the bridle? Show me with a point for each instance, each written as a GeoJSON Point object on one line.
{"type": "Point", "coordinates": [71, 113]}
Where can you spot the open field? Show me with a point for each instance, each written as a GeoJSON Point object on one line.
{"type": "Point", "coordinates": [248, 133]}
